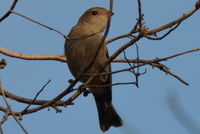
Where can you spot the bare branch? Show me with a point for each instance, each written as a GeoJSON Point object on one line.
{"type": "Point", "coordinates": [166, 70]}
{"type": "Point", "coordinates": [62, 58]}
{"type": "Point", "coordinates": [9, 11]}
{"type": "Point", "coordinates": [116, 38]}
{"type": "Point", "coordinates": [160, 38]}
{"type": "Point", "coordinates": [28, 101]}
{"type": "Point", "coordinates": [154, 62]}
{"type": "Point", "coordinates": [140, 16]}
{"type": "Point", "coordinates": [31, 56]}
{"type": "Point", "coordinates": [179, 20]}
{"type": "Point", "coordinates": [179, 54]}
{"type": "Point", "coordinates": [37, 95]}
{"type": "Point", "coordinates": [73, 97]}
{"type": "Point", "coordinates": [125, 46]}
{"type": "Point", "coordinates": [132, 70]}
{"type": "Point", "coordinates": [113, 84]}
{"type": "Point", "coordinates": [11, 111]}
{"type": "Point", "coordinates": [50, 28]}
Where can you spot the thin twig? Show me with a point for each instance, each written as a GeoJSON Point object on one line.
{"type": "Point", "coordinates": [154, 31]}
{"type": "Point", "coordinates": [28, 101]}
{"type": "Point", "coordinates": [166, 70]}
{"type": "Point", "coordinates": [140, 16]}
{"type": "Point", "coordinates": [182, 18]}
{"type": "Point", "coordinates": [138, 56]}
{"type": "Point", "coordinates": [129, 63]}
{"type": "Point", "coordinates": [143, 62]}
{"type": "Point", "coordinates": [160, 38]}
{"type": "Point", "coordinates": [122, 48]}
{"type": "Point", "coordinates": [137, 74]}
{"type": "Point", "coordinates": [177, 77]}
{"type": "Point", "coordinates": [73, 97]}
{"type": "Point", "coordinates": [51, 102]}
{"type": "Point", "coordinates": [132, 70]}
{"type": "Point", "coordinates": [117, 38]}
{"type": "Point", "coordinates": [126, 45]}
{"type": "Point", "coordinates": [5, 110]}
{"type": "Point", "coordinates": [12, 113]}
{"type": "Point", "coordinates": [113, 84]}
{"type": "Point", "coordinates": [50, 28]}
{"type": "Point", "coordinates": [179, 54]}
{"type": "Point", "coordinates": [37, 94]}
{"type": "Point", "coordinates": [9, 11]}
{"type": "Point", "coordinates": [155, 63]}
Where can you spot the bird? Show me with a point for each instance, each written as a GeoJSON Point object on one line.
{"type": "Point", "coordinates": [81, 46]}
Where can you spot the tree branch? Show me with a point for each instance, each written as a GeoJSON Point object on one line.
{"type": "Point", "coordinates": [32, 56]}
{"type": "Point", "coordinates": [179, 20]}
{"type": "Point", "coordinates": [9, 11]}
{"type": "Point", "coordinates": [11, 111]}
{"type": "Point", "coordinates": [28, 101]}
{"type": "Point", "coordinates": [48, 27]}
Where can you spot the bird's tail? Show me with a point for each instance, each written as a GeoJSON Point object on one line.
{"type": "Point", "coordinates": [107, 115]}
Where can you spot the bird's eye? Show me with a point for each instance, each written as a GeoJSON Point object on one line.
{"type": "Point", "coordinates": [94, 12]}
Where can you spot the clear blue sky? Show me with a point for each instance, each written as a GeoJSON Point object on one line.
{"type": "Point", "coordinates": [144, 109]}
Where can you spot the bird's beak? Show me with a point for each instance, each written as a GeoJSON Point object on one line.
{"type": "Point", "coordinates": [108, 14]}
{"type": "Point", "coordinates": [111, 13]}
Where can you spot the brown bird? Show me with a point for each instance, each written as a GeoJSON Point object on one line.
{"type": "Point", "coordinates": [80, 49]}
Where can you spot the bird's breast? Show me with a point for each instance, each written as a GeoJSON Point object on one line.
{"type": "Point", "coordinates": [81, 52]}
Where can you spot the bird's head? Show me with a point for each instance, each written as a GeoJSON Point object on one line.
{"type": "Point", "coordinates": [97, 17]}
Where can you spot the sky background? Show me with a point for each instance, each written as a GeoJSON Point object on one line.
{"type": "Point", "coordinates": [145, 110]}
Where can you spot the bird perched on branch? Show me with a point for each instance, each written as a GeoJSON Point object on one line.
{"type": "Point", "coordinates": [80, 50]}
